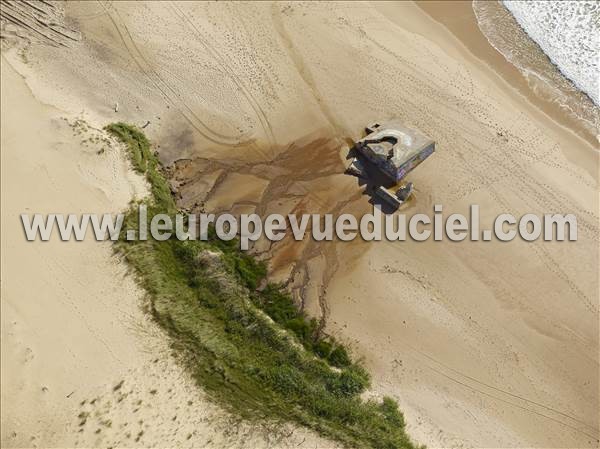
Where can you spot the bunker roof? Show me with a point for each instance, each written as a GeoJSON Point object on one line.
{"type": "Point", "coordinates": [395, 142]}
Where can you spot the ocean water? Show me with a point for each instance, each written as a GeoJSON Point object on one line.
{"type": "Point", "coordinates": [554, 44]}
{"type": "Point", "coordinates": [569, 33]}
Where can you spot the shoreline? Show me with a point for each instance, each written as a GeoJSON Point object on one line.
{"type": "Point", "coordinates": [458, 18]}
{"type": "Point", "coordinates": [579, 79]}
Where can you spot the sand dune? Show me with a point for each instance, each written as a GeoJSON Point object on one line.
{"type": "Point", "coordinates": [82, 364]}
{"type": "Point", "coordinates": [251, 106]}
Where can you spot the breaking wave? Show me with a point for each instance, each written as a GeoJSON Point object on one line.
{"type": "Point", "coordinates": [554, 45]}
{"type": "Point", "coordinates": [568, 33]}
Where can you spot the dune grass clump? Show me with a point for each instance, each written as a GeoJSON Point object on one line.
{"type": "Point", "coordinates": [250, 349]}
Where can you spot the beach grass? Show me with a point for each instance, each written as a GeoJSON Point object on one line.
{"type": "Point", "coordinates": [249, 348]}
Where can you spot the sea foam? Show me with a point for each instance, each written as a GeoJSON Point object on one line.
{"type": "Point", "coordinates": [569, 33]}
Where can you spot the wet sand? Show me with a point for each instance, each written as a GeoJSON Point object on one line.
{"type": "Point", "coordinates": [458, 18]}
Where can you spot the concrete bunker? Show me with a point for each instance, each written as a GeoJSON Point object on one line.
{"type": "Point", "coordinates": [386, 155]}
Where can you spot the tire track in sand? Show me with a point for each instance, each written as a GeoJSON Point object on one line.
{"type": "Point", "coordinates": [170, 95]}
{"type": "Point", "coordinates": [222, 61]}
{"type": "Point", "coordinates": [507, 397]}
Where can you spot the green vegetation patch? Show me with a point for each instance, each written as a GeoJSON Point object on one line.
{"type": "Point", "coordinates": [250, 349]}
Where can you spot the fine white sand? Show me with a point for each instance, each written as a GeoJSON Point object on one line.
{"type": "Point", "coordinates": [82, 365]}
{"type": "Point", "coordinates": [483, 344]}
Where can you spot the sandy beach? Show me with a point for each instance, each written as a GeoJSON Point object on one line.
{"type": "Point", "coordinates": [251, 108]}
{"type": "Point", "coordinates": [82, 363]}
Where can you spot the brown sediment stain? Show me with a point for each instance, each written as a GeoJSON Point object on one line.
{"type": "Point", "coordinates": [40, 21]}
{"type": "Point", "coordinates": [305, 176]}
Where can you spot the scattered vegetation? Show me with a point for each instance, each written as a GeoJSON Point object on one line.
{"type": "Point", "coordinates": [250, 349]}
